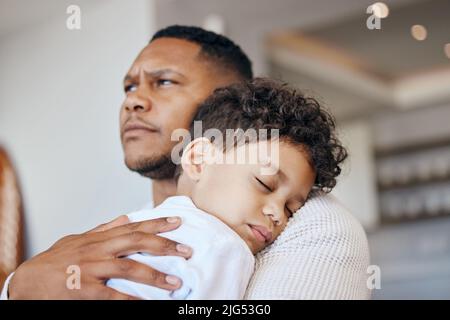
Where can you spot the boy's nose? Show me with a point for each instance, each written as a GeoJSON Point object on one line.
{"type": "Point", "coordinates": [273, 212]}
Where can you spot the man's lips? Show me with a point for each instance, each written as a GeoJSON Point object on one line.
{"type": "Point", "coordinates": [261, 233]}
{"type": "Point", "coordinates": [132, 128]}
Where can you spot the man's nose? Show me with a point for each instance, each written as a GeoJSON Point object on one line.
{"type": "Point", "coordinates": [138, 101]}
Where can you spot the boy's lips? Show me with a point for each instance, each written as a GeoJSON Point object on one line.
{"type": "Point", "coordinates": [261, 233]}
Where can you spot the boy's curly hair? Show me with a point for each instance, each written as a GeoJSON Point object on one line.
{"type": "Point", "coordinates": [262, 103]}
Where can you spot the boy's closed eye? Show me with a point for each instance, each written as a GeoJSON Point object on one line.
{"type": "Point", "coordinates": [269, 188]}
{"type": "Point", "coordinates": [265, 185]}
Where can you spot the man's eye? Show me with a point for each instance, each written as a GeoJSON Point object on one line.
{"type": "Point", "coordinates": [264, 185]}
{"type": "Point", "coordinates": [165, 82]}
{"type": "Point", "coordinates": [130, 88]}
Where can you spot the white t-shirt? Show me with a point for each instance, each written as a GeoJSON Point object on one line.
{"type": "Point", "coordinates": [221, 264]}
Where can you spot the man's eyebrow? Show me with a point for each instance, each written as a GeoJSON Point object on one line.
{"type": "Point", "coordinates": [156, 73]}
{"type": "Point", "coordinates": [127, 78]}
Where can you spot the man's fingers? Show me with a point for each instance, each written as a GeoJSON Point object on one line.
{"type": "Point", "coordinates": [137, 241]}
{"type": "Point", "coordinates": [134, 271]}
{"type": "Point", "coordinates": [119, 221]}
{"type": "Point", "coordinates": [153, 226]}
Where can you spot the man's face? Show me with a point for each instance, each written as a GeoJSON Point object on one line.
{"type": "Point", "coordinates": [164, 87]}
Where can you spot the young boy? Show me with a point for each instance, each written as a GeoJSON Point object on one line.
{"type": "Point", "coordinates": [233, 208]}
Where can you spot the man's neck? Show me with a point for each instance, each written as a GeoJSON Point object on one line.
{"type": "Point", "coordinates": [163, 189]}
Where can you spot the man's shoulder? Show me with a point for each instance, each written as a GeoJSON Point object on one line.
{"type": "Point", "coordinates": [326, 211]}
{"type": "Point", "coordinates": [323, 222]}
{"type": "Point", "coordinates": [322, 254]}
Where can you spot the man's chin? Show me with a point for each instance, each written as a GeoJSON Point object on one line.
{"type": "Point", "coordinates": [157, 169]}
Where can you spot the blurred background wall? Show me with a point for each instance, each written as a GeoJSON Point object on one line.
{"type": "Point", "coordinates": [60, 93]}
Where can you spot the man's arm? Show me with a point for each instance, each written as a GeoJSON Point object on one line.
{"type": "Point", "coordinates": [322, 254]}
{"type": "Point", "coordinates": [96, 253]}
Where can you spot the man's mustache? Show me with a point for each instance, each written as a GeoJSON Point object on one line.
{"type": "Point", "coordinates": [135, 122]}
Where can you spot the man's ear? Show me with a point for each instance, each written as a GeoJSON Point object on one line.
{"type": "Point", "coordinates": [196, 155]}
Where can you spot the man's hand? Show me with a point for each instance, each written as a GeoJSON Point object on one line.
{"type": "Point", "coordinates": [98, 255]}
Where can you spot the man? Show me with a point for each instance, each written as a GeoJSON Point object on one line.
{"type": "Point", "coordinates": [322, 253]}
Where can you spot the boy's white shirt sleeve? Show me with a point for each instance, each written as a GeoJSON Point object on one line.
{"type": "Point", "coordinates": [220, 267]}
{"type": "Point", "coordinates": [219, 270]}
{"type": "Point", "coordinates": [225, 275]}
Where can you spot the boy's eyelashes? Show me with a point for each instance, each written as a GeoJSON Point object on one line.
{"type": "Point", "coordinates": [291, 213]}
{"type": "Point", "coordinates": [264, 185]}
{"type": "Point", "coordinates": [269, 189]}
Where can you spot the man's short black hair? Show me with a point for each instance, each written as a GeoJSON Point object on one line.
{"type": "Point", "coordinates": [268, 104]}
{"type": "Point", "coordinates": [216, 47]}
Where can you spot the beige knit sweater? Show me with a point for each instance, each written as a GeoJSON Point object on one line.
{"type": "Point", "coordinates": [322, 254]}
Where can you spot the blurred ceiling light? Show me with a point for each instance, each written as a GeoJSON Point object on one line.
{"type": "Point", "coordinates": [419, 32]}
{"type": "Point", "coordinates": [447, 50]}
{"type": "Point", "coordinates": [380, 10]}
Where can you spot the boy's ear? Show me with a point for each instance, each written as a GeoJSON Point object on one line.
{"type": "Point", "coordinates": [195, 156]}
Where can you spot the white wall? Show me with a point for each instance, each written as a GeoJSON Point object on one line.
{"type": "Point", "coordinates": [60, 93]}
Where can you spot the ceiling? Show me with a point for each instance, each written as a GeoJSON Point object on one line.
{"type": "Point", "coordinates": [361, 70]}
{"type": "Point", "coordinates": [392, 50]}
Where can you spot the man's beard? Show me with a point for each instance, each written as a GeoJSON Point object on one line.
{"type": "Point", "coordinates": [160, 168]}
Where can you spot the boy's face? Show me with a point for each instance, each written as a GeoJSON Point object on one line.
{"type": "Point", "coordinates": [255, 205]}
